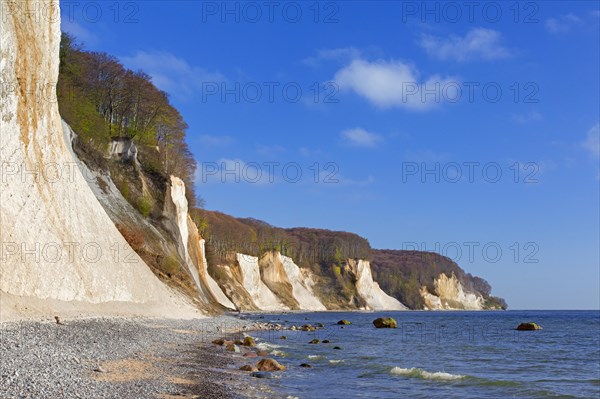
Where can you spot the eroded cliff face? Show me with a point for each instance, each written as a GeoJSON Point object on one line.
{"type": "Point", "coordinates": [275, 283]}
{"type": "Point", "coordinates": [212, 285]}
{"type": "Point", "coordinates": [190, 245]}
{"type": "Point", "coordinates": [450, 295]}
{"type": "Point", "coordinates": [291, 284]}
{"type": "Point", "coordinates": [261, 295]}
{"type": "Point", "coordinates": [369, 291]}
{"type": "Point", "coordinates": [302, 285]}
{"type": "Point", "coordinates": [57, 241]}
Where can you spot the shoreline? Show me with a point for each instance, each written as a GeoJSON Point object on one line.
{"type": "Point", "coordinates": [125, 358]}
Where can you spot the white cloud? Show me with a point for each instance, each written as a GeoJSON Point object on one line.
{"type": "Point", "coordinates": [562, 23]}
{"type": "Point", "coordinates": [215, 141]}
{"type": "Point", "coordinates": [171, 73]}
{"type": "Point", "coordinates": [359, 137]}
{"type": "Point", "coordinates": [478, 43]}
{"type": "Point", "coordinates": [592, 141]}
{"type": "Point", "coordinates": [393, 84]}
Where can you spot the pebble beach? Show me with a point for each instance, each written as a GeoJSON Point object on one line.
{"type": "Point", "coordinates": [124, 358]}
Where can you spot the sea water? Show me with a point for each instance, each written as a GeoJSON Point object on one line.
{"type": "Point", "coordinates": [438, 355]}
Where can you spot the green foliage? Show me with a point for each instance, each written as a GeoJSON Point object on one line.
{"type": "Point", "coordinates": [402, 274]}
{"type": "Point", "coordinates": [124, 189]}
{"type": "Point", "coordinates": [169, 265]}
{"type": "Point", "coordinates": [337, 271]}
{"type": "Point", "coordinates": [102, 100]}
{"type": "Point", "coordinates": [144, 206]}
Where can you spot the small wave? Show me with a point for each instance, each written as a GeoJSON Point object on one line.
{"type": "Point", "coordinates": [315, 357]}
{"type": "Point", "coordinates": [426, 375]}
{"type": "Point", "coordinates": [336, 361]}
{"type": "Point", "coordinates": [265, 346]}
{"type": "Point", "coordinates": [279, 353]}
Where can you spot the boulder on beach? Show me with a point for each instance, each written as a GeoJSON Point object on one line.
{"type": "Point", "coordinates": [269, 364]}
{"type": "Point", "coordinates": [529, 327]}
{"type": "Point", "coordinates": [233, 348]}
{"type": "Point", "coordinates": [219, 341]}
{"type": "Point", "coordinates": [385, 322]}
{"type": "Point", "coordinates": [262, 353]}
{"type": "Point", "coordinates": [248, 367]}
{"type": "Point", "coordinates": [248, 341]}
{"type": "Point", "coordinates": [250, 354]}
{"type": "Point", "coordinates": [344, 322]}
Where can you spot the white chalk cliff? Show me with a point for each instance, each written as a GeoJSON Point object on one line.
{"type": "Point", "coordinates": [450, 295]}
{"type": "Point", "coordinates": [261, 295]}
{"type": "Point", "coordinates": [212, 285]}
{"type": "Point", "coordinates": [275, 283]}
{"type": "Point", "coordinates": [57, 242]}
{"type": "Point", "coordinates": [302, 285]}
{"type": "Point", "coordinates": [190, 244]}
{"type": "Point", "coordinates": [370, 291]}
{"type": "Point", "coordinates": [291, 284]}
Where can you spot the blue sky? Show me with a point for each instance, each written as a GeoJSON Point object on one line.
{"type": "Point", "coordinates": [469, 131]}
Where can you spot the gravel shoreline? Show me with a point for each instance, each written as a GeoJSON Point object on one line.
{"type": "Point", "coordinates": [124, 358]}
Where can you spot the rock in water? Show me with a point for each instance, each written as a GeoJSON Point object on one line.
{"type": "Point", "coordinates": [305, 365]}
{"type": "Point", "coordinates": [529, 327]}
{"type": "Point", "coordinates": [261, 375]}
{"type": "Point", "coordinates": [385, 322]}
{"type": "Point", "coordinates": [344, 322]}
{"type": "Point", "coordinates": [248, 367]}
{"type": "Point", "coordinates": [269, 364]}
{"type": "Point", "coordinates": [248, 341]}
{"type": "Point", "coordinates": [308, 328]}
{"type": "Point", "coordinates": [314, 341]}
{"type": "Point", "coordinates": [250, 354]}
